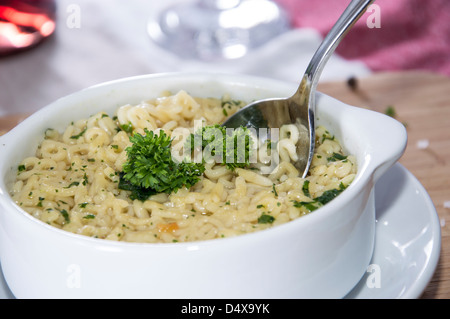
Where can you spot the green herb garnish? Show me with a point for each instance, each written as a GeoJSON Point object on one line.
{"type": "Point", "coordinates": [75, 137]}
{"type": "Point", "coordinates": [329, 195]}
{"type": "Point", "coordinates": [390, 111]}
{"type": "Point", "coordinates": [310, 206]}
{"type": "Point", "coordinates": [323, 199]}
{"type": "Point", "coordinates": [128, 128]}
{"type": "Point", "coordinates": [336, 157]}
{"type": "Point", "coordinates": [83, 205]}
{"type": "Point", "coordinates": [305, 188]}
{"type": "Point", "coordinates": [73, 184]}
{"type": "Point", "coordinates": [266, 219]}
{"type": "Point", "coordinates": [327, 136]}
{"type": "Point", "coordinates": [39, 204]}
{"type": "Point", "coordinates": [85, 180]}
{"type": "Point", "coordinates": [274, 190]}
{"type": "Point", "coordinates": [150, 168]}
{"type": "Point", "coordinates": [233, 148]}
{"type": "Point", "coordinates": [65, 214]}
{"type": "Point", "coordinates": [231, 103]}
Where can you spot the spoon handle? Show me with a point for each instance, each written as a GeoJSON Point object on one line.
{"type": "Point", "coordinates": [348, 18]}
{"type": "Point", "coordinates": [305, 95]}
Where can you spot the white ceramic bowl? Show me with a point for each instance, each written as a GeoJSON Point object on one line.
{"type": "Point", "coordinates": [321, 255]}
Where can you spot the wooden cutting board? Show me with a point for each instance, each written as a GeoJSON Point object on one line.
{"type": "Point", "coordinates": [421, 100]}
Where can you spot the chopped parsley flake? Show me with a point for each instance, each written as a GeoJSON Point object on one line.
{"type": "Point", "coordinates": [75, 137]}
{"type": "Point", "coordinates": [65, 214]}
{"type": "Point", "coordinates": [83, 205]}
{"type": "Point", "coordinates": [128, 128]}
{"type": "Point", "coordinates": [390, 111]}
{"type": "Point", "coordinates": [336, 157]}
{"type": "Point", "coordinates": [305, 188]}
{"type": "Point", "coordinates": [266, 219]}
{"type": "Point", "coordinates": [73, 184]}
{"type": "Point", "coordinates": [274, 190]}
{"type": "Point", "coordinates": [318, 202]}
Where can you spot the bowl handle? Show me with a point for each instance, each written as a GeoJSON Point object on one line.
{"type": "Point", "coordinates": [392, 141]}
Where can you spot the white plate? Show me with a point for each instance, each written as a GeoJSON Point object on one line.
{"type": "Point", "coordinates": [407, 245]}
{"type": "Point", "coordinates": [408, 239]}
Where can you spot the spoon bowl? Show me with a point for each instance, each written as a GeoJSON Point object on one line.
{"type": "Point", "coordinates": [299, 109]}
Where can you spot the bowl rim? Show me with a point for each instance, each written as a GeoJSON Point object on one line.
{"type": "Point", "coordinates": [360, 181]}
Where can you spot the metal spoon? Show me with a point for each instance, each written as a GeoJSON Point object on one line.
{"type": "Point", "coordinates": [300, 108]}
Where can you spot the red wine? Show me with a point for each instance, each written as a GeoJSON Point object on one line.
{"type": "Point", "coordinates": [25, 23]}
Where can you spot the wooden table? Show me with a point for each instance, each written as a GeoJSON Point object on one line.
{"type": "Point", "coordinates": [421, 101]}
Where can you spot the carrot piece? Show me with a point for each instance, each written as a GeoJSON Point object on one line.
{"type": "Point", "coordinates": [168, 228]}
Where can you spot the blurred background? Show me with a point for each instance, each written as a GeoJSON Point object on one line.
{"type": "Point", "coordinates": [96, 41]}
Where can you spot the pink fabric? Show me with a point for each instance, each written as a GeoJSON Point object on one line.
{"type": "Point", "coordinates": [413, 34]}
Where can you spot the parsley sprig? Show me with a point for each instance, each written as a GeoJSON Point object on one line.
{"type": "Point", "coordinates": [150, 168]}
{"type": "Point", "coordinates": [232, 148]}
